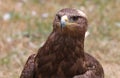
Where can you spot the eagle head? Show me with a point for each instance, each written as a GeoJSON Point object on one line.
{"type": "Point", "coordinates": [70, 20]}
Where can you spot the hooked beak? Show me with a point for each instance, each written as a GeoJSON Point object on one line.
{"type": "Point", "coordinates": [64, 21]}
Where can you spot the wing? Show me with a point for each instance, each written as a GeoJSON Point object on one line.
{"type": "Point", "coordinates": [28, 71]}
{"type": "Point", "coordinates": [88, 74]}
{"type": "Point", "coordinates": [95, 70]}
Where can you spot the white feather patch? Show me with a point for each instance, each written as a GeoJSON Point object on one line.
{"type": "Point", "coordinates": [87, 33]}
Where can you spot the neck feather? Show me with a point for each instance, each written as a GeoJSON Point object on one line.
{"type": "Point", "coordinates": [66, 44]}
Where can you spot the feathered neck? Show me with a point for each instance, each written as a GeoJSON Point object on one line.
{"type": "Point", "coordinates": [66, 45]}
{"type": "Point", "coordinates": [63, 52]}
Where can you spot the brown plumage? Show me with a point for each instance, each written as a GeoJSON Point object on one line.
{"type": "Point", "coordinates": [62, 55]}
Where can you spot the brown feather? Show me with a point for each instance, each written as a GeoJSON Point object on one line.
{"type": "Point", "coordinates": [28, 71]}
{"type": "Point", "coordinates": [63, 56]}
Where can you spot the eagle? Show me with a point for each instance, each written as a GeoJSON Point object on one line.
{"type": "Point", "coordinates": [63, 55]}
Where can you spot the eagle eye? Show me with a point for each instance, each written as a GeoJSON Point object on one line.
{"type": "Point", "coordinates": [75, 18]}
{"type": "Point", "coordinates": [58, 17]}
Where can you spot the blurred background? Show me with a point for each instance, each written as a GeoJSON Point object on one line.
{"type": "Point", "coordinates": [26, 24]}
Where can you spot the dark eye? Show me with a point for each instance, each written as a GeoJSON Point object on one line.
{"type": "Point", "coordinates": [75, 18]}
{"type": "Point", "coordinates": [58, 17]}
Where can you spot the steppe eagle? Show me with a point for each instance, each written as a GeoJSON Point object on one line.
{"type": "Point", "coordinates": [63, 55]}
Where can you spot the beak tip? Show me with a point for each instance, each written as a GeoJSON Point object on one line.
{"type": "Point", "coordinates": [62, 24]}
